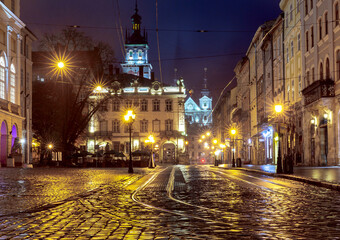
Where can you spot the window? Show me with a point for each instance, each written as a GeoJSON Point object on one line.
{"type": "Point", "coordinates": [115, 106]}
{"type": "Point", "coordinates": [297, 6]}
{"type": "Point", "coordinates": [320, 29]}
{"type": "Point", "coordinates": [293, 90]}
{"type": "Point", "coordinates": [156, 125]}
{"type": "Point", "coordinates": [144, 126]}
{"type": "Point", "coordinates": [291, 13]}
{"type": "Point", "coordinates": [326, 23]}
{"type": "Point", "coordinates": [306, 7]}
{"type": "Point", "coordinates": [168, 125]}
{"type": "Point", "coordinates": [307, 41]}
{"type": "Point", "coordinates": [313, 74]}
{"type": "Point", "coordinates": [144, 105]}
{"type": "Point", "coordinates": [275, 49]}
{"type": "Point", "coordinates": [168, 105]}
{"type": "Point", "coordinates": [300, 86]}
{"type": "Point", "coordinates": [103, 127]}
{"type": "Point", "coordinates": [287, 17]}
{"type": "Point", "coordinates": [155, 105]}
{"type": "Point", "coordinates": [2, 78]}
{"type": "Point", "coordinates": [312, 37]}
{"type": "Point", "coordinates": [140, 54]}
{"type": "Point", "coordinates": [321, 71]}
{"type": "Point", "coordinates": [126, 128]}
{"type": "Point", "coordinates": [311, 4]}
{"type": "Point", "coordinates": [288, 92]}
{"type": "Point", "coordinates": [116, 126]}
{"type": "Point", "coordinates": [13, 6]}
{"type": "Point", "coordinates": [12, 85]}
{"type": "Point", "coordinates": [292, 48]}
{"type": "Point", "coordinates": [128, 103]}
{"type": "Point", "coordinates": [287, 55]}
{"type": "Point", "coordinates": [327, 69]}
{"type": "Point", "coordinates": [338, 63]}
{"type": "Point", "coordinates": [103, 107]}
{"type": "Point", "coordinates": [130, 54]}
{"type": "Point", "coordinates": [336, 14]}
{"type": "Point", "coordinates": [307, 78]}
{"type": "Point", "coordinates": [298, 42]}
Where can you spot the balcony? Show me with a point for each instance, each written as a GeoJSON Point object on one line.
{"type": "Point", "coordinates": [9, 107]}
{"type": "Point", "coordinates": [317, 90]}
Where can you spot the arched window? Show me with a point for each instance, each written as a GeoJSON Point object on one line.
{"type": "Point", "coordinates": [12, 84]}
{"type": "Point", "coordinates": [2, 77]}
{"type": "Point", "coordinates": [320, 29]}
{"type": "Point", "coordinates": [321, 71]}
{"type": "Point", "coordinates": [327, 69]}
{"type": "Point", "coordinates": [307, 78]}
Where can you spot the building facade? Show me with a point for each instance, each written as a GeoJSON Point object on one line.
{"type": "Point", "coordinates": [199, 121]}
{"type": "Point", "coordinates": [15, 85]}
{"type": "Point", "coordinates": [159, 108]}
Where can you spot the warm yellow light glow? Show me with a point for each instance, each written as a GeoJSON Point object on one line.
{"type": "Point", "coordinates": [233, 131]}
{"type": "Point", "coordinates": [61, 64]}
{"type": "Point", "coordinates": [276, 138]}
{"type": "Point", "coordinates": [215, 141]}
{"type": "Point", "coordinates": [50, 146]}
{"type": "Point", "coordinates": [222, 146]}
{"type": "Point", "coordinates": [150, 139]}
{"type": "Point", "coordinates": [212, 147]}
{"type": "Point", "coordinates": [203, 136]}
{"type": "Point", "coordinates": [312, 121]}
{"type": "Point", "coordinates": [278, 108]}
{"type": "Point", "coordinates": [99, 88]}
{"type": "Point", "coordinates": [129, 116]}
{"type": "Point", "coordinates": [208, 134]}
{"type": "Point", "coordinates": [186, 142]}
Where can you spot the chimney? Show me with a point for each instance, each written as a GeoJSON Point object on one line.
{"type": "Point", "coordinates": [152, 76]}
{"type": "Point", "coordinates": [110, 69]}
{"type": "Point", "coordinates": [141, 71]}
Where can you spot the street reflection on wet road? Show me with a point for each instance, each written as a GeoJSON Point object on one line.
{"type": "Point", "coordinates": [181, 202]}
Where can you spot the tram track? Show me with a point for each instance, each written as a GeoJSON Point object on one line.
{"type": "Point", "coordinates": [170, 189]}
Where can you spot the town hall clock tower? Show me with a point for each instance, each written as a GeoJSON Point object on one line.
{"type": "Point", "coordinates": [136, 49]}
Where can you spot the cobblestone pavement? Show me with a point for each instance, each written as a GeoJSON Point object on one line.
{"type": "Point", "coordinates": [197, 203]}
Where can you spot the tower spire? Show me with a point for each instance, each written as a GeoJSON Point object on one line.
{"type": "Point", "coordinates": [205, 90]}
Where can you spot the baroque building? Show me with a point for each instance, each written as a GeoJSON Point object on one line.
{"type": "Point", "coordinates": [15, 86]}
{"type": "Point", "coordinates": [159, 107]}
{"type": "Point", "coordinates": [199, 120]}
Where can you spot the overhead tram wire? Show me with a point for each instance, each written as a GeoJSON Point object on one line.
{"type": "Point", "coordinates": [159, 53]}
{"type": "Point", "coordinates": [120, 30]}
{"type": "Point", "coordinates": [221, 94]}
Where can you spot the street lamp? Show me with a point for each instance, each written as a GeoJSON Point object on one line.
{"type": "Point", "coordinates": [215, 143]}
{"type": "Point", "coordinates": [151, 140]}
{"type": "Point", "coordinates": [129, 118]}
{"type": "Point", "coordinates": [233, 133]}
{"type": "Point", "coordinates": [278, 109]}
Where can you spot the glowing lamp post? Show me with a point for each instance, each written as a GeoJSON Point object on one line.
{"type": "Point", "coordinates": [233, 133]}
{"type": "Point", "coordinates": [278, 109]}
{"type": "Point", "coordinates": [216, 152]}
{"type": "Point", "coordinates": [129, 118]}
{"type": "Point", "coordinates": [151, 140]}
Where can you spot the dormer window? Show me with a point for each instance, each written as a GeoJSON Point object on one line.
{"type": "Point", "coordinates": [130, 54]}
{"type": "Point", "coordinates": [140, 54]}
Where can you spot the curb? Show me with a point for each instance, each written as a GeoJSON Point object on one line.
{"type": "Point", "coordinates": [329, 185]}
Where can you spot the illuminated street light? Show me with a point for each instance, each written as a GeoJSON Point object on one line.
{"type": "Point", "coordinates": [61, 64]}
{"type": "Point", "coordinates": [50, 146]}
{"type": "Point", "coordinates": [151, 140]}
{"type": "Point", "coordinates": [278, 109]}
{"type": "Point", "coordinates": [129, 118]}
{"type": "Point", "coordinates": [233, 133]}
{"type": "Point", "coordinates": [203, 136]}
{"type": "Point", "coordinates": [215, 141]}
{"type": "Point", "coordinates": [208, 134]}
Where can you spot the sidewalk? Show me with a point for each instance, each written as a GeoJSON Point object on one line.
{"type": "Point", "coordinates": [328, 177]}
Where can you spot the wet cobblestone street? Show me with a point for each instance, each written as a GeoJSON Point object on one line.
{"type": "Point", "coordinates": [181, 202]}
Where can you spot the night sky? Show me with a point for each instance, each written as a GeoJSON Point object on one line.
{"type": "Point", "coordinates": [231, 25]}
